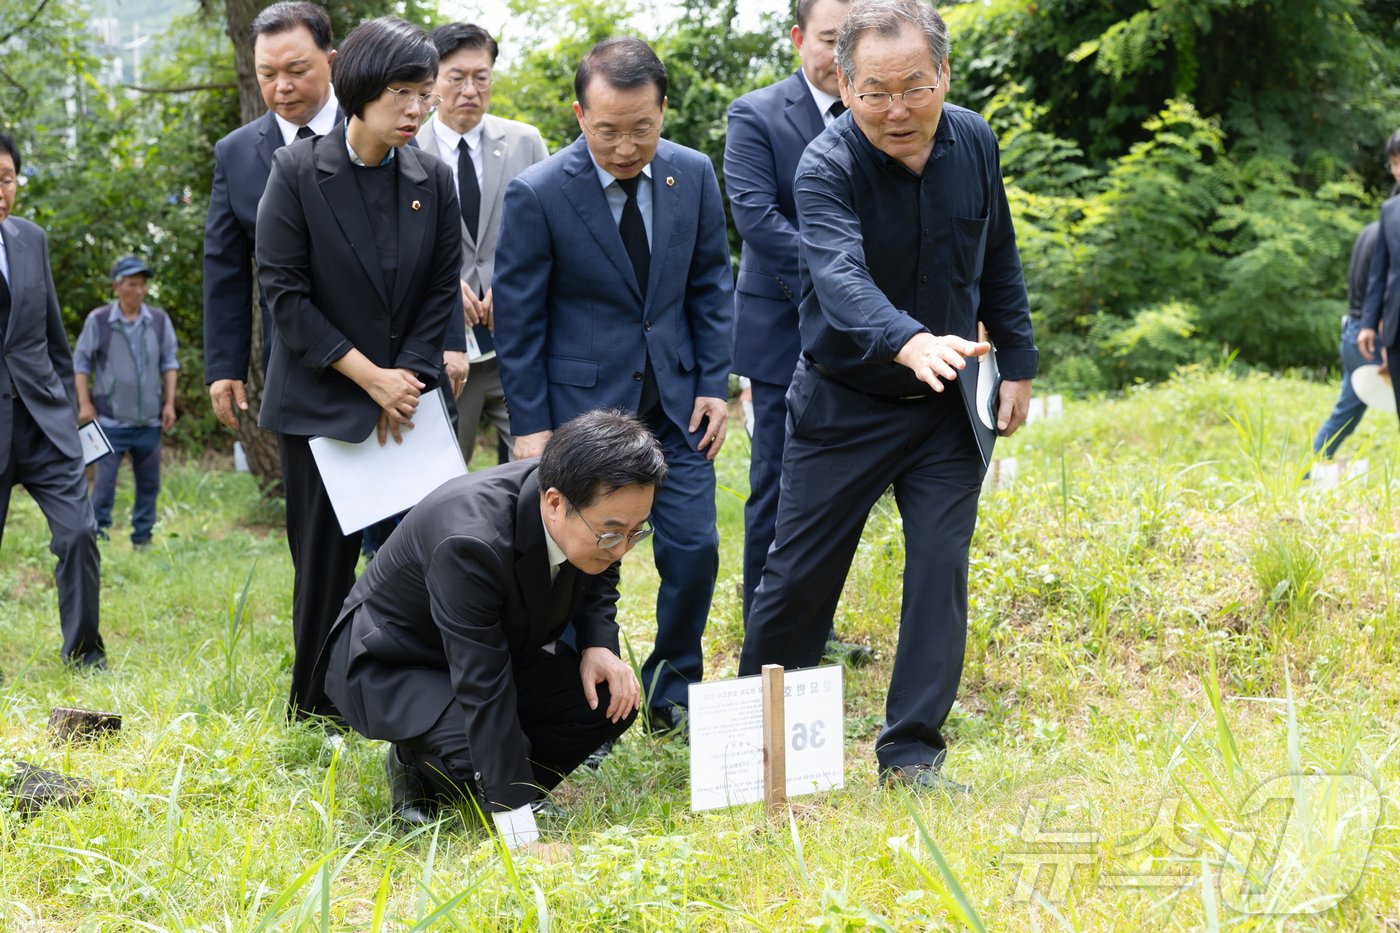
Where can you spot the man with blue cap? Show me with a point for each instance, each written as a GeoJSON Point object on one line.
{"type": "Point", "coordinates": [125, 369]}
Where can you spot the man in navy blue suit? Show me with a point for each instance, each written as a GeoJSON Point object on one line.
{"type": "Point", "coordinates": [614, 267]}
{"type": "Point", "coordinates": [768, 131]}
{"type": "Point", "coordinates": [292, 56]}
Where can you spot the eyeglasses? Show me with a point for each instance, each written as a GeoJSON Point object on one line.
{"type": "Point", "coordinates": [611, 137]}
{"type": "Point", "coordinates": [481, 82]}
{"type": "Point", "coordinates": [403, 96]}
{"type": "Point", "coordinates": [914, 98]}
{"type": "Point", "coordinates": [613, 538]}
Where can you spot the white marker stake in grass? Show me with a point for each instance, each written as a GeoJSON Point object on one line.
{"type": "Point", "coordinates": [726, 737]}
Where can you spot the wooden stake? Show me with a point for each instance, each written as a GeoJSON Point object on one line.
{"type": "Point", "coordinates": [774, 743]}
{"type": "Point", "coordinates": [69, 724]}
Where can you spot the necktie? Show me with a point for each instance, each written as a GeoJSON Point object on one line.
{"type": "Point", "coordinates": [836, 109]}
{"type": "Point", "coordinates": [634, 232]}
{"type": "Point", "coordinates": [305, 132]}
{"type": "Point", "coordinates": [468, 192]}
{"type": "Point", "coordinates": [4, 306]}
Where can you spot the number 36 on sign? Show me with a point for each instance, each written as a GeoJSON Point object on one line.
{"type": "Point", "coordinates": [726, 737]}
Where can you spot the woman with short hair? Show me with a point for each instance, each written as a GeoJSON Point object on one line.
{"type": "Point", "coordinates": [358, 252]}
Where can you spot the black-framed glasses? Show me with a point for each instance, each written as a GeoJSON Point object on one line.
{"type": "Point", "coordinates": [403, 96]}
{"type": "Point", "coordinates": [612, 539]}
{"type": "Point", "coordinates": [915, 98]}
{"type": "Point", "coordinates": [482, 82]}
{"type": "Point", "coordinates": [612, 137]}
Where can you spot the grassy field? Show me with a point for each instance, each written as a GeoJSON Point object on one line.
{"type": "Point", "coordinates": [1179, 711]}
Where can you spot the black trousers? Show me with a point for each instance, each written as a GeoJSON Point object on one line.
{"type": "Point", "coordinates": [843, 450]}
{"type": "Point", "coordinates": [553, 714]}
{"type": "Point", "coordinates": [59, 486]}
{"type": "Point", "coordinates": [323, 563]}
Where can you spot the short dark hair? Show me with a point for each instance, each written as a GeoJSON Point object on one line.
{"type": "Point", "coordinates": [7, 144]}
{"type": "Point", "coordinates": [377, 54]}
{"type": "Point", "coordinates": [288, 15]}
{"type": "Point", "coordinates": [454, 36]}
{"type": "Point", "coordinates": [1392, 147]}
{"type": "Point", "coordinates": [624, 63]}
{"type": "Point", "coordinates": [803, 11]}
{"type": "Point", "coordinates": [599, 452]}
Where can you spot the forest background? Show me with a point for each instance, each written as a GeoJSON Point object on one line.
{"type": "Point", "coordinates": [1186, 177]}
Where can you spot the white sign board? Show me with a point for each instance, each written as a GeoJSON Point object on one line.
{"type": "Point", "coordinates": [726, 737]}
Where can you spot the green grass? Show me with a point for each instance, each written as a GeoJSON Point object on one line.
{"type": "Point", "coordinates": [1175, 641]}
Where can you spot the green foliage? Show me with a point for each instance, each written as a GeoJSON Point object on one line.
{"type": "Point", "coordinates": [1104, 68]}
{"type": "Point", "coordinates": [1154, 343]}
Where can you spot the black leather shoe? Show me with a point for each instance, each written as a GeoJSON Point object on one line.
{"type": "Point", "coordinates": [594, 761]}
{"type": "Point", "coordinates": [546, 809]}
{"type": "Point", "coordinates": [848, 653]}
{"type": "Point", "coordinates": [409, 800]}
{"type": "Point", "coordinates": [924, 779]}
{"type": "Point", "coordinates": [668, 720]}
{"type": "Point", "coordinates": [95, 661]}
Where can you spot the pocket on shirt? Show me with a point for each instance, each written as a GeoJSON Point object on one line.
{"type": "Point", "coordinates": [969, 248]}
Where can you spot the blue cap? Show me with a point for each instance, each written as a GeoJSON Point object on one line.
{"type": "Point", "coordinates": [129, 265]}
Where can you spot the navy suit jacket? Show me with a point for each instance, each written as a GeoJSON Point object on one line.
{"type": "Point", "coordinates": [320, 271]}
{"type": "Point", "coordinates": [242, 160]}
{"type": "Point", "coordinates": [1383, 294]}
{"type": "Point", "coordinates": [768, 131]}
{"type": "Point", "coordinates": [572, 330]}
{"type": "Point", "coordinates": [35, 363]}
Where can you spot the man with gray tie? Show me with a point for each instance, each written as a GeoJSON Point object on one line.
{"type": "Point", "coordinates": [39, 446]}
{"type": "Point", "coordinates": [485, 152]}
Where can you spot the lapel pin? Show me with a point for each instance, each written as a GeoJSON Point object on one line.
{"type": "Point", "coordinates": [496, 152]}
{"type": "Point", "coordinates": [670, 182]}
{"type": "Point", "coordinates": [417, 205]}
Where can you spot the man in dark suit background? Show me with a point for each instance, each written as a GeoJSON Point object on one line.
{"type": "Point", "coordinates": [1380, 316]}
{"type": "Point", "coordinates": [448, 645]}
{"type": "Point", "coordinates": [614, 289]}
{"type": "Point", "coordinates": [39, 445]}
{"type": "Point", "coordinates": [769, 129]}
{"type": "Point", "coordinates": [292, 54]}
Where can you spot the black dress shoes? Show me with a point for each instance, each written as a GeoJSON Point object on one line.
{"type": "Point", "coordinates": [924, 779]}
{"type": "Point", "coordinates": [669, 720]}
{"type": "Point", "coordinates": [93, 661]}
{"type": "Point", "coordinates": [409, 800]}
{"type": "Point", "coordinates": [848, 653]}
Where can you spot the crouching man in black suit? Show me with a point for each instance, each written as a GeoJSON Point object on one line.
{"type": "Point", "coordinates": [448, 646]}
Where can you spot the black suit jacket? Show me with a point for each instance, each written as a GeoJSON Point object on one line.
{"type": "Point", "coordinates": [242, 160]}
{"type": "Point", "coordinates": [1382, 307]}
{"type": "Point", "coordinates": [320, 272]}
{"type": "Point", "coordinates": [462, 586]}
{"type": "Point", "coordinates": [35, 363]}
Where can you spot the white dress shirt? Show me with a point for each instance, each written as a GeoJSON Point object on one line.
{"type": "Point", "coordinates": [823, 99]}
{"type": "Point", "coordinates": [320, 124]}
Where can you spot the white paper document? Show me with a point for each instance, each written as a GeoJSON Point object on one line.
{"type": "Point", "coordinates": [726, 737]}
{"type": "Point", "coordinates": [368, 483]}
{"type": "Point", "coordinates": [95, 443]}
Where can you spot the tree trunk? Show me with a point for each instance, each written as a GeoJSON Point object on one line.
{"type": "Point", "coordinates": [260, 446]}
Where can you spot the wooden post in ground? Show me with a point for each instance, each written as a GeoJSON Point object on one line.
{"type": "Point", "coordinates": [774, 743]}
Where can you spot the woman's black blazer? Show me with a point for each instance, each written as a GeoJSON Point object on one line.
{"type": "Point", "coordinates": [319, 270]}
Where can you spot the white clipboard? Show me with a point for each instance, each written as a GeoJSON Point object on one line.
{"type": "Point", "coordinates": [95, 443]}
{"type": "Point", "coordinates": [368, 483]}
